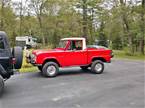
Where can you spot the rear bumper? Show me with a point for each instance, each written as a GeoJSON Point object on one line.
{"type": "Point", "coordinates": [112, 56]}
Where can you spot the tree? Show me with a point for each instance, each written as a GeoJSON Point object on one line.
{"type": "Point", "coordinates": [142, 27]}
{"type": "Point", "coordinates": [38, 6]}
{"type": "Point", "coordinates": [3, 4]}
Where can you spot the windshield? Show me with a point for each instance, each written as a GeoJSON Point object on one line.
{"type": "Point", "coordinates": [62, 44]}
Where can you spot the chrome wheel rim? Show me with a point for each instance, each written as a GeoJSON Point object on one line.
{"type": "Point", "coordinates": [51, 70]}
{"type": "Point", "coordinates": [98, 67]}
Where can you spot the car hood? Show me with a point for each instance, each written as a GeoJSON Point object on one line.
{"type": "Point", "coordinates": [41, 51]}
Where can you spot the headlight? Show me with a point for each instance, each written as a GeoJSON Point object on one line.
{"type": "Point", "coordinates": [33, 58]}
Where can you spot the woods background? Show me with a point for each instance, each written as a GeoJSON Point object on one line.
{"type": "Point", "coordinates": [122, 22]}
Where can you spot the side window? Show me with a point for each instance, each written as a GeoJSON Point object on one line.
{"type": "Point", "coordinates": [72, 45]}
{"type": "Point", "coordinates": [69, 47]}
{"type": "Point", "coordinates": [2, 45]}
{"type": "Point", "coordinates": [75, 45]}
{"type": "Point", "coordinates": [79, 45]}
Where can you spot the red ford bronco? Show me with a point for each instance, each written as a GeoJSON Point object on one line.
{"type": "Point", "coordinates": [71, 52]}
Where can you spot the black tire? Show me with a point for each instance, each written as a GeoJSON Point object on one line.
{"type": "Point", "coordinates": [18, 54]}
{"type": "Point", "coordinates": [4, 73]}
{"type": "Point", "coordinates": [51, 73]}
{"type": "Point", "coordinates": [1, 85]}
{"type": "Point", "coordinates": [100, 68]}
{"type": "Point", "coordinates": [84, 67]}
{"type": "Point", "coordinates": [40, 68]}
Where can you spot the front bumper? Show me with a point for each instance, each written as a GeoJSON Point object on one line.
{"type": "Point", "coordinates": [32, 61]}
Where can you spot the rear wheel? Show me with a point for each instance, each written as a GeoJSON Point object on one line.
{"type": "Point", "coordinates": [50, 69]}
{"type": "Point", "coordinates": [97, 67]}
{"type": "Point", "coordinates": [1, 85]}
{"type": "Point", "coordinates": [18, 54]}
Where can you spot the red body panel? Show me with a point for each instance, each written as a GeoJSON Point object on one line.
{"type": "Point", "coordinates": [72, 58]}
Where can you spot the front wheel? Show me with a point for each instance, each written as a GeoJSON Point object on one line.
{"type": "Point", "coordinates": [50, 69]}
{"type": "Point", "coordinates": [97, 67]}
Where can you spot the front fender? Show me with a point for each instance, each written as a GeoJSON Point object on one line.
{"type": "Point", "coordinates": [51, 59]}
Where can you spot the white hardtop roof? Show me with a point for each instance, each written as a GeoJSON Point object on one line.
{"type": "Point", "coordinates": [74, 38]}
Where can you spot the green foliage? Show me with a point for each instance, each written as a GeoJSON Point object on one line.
{"type": "Point", "coordinates": [117, 44]}
{"type": "Point", "coordinates": [49, 20]}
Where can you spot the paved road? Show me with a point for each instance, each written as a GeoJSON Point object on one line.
{"type": "Point", "coordinates": [120, 86]}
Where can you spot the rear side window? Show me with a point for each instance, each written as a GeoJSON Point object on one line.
{"type": "Point", "coordinates": [2, 45]}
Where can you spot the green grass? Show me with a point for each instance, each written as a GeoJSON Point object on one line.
{"type": "Point", "coordinates": [123, 55]}
{"type": "Point", "coordinates": [30, 69]}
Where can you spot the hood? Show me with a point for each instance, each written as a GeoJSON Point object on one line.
{"type": "Point", "coordinates": [41, 51]}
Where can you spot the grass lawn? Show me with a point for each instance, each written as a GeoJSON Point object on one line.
{"type": "Point", "coordinates": [122, 55]}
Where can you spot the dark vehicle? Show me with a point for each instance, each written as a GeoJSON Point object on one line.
{"type": "Point", "coordinates": [10, 59]}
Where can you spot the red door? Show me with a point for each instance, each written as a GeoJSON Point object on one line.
{"type": "Point", "coordinates": [75, 58]}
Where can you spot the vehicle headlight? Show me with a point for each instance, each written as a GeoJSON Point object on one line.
{"type": "Point", "coordinates": [33, 58]}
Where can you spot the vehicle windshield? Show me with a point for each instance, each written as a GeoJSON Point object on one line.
{"type": "Point", "coordinates": [62, 44]}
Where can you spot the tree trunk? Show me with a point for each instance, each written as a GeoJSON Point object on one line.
{"type": "Point", "coordinates": [142, 28]}
{"type": "Point", "coordinates": [130, 38]}
{"type": "Point", "coordinates": [84, 19]}
{"type": "Point", "coordinates": [41, 29]}
{"type": "Point", "coordinates": [21, 17]}
{"type": "Point", "coordinates": [141, 46]}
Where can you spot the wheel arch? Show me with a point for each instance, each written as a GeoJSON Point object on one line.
{"type": "Point", "coordinates": [99, 58]}
{"type": "Point", "coordinates": [51, 60]}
